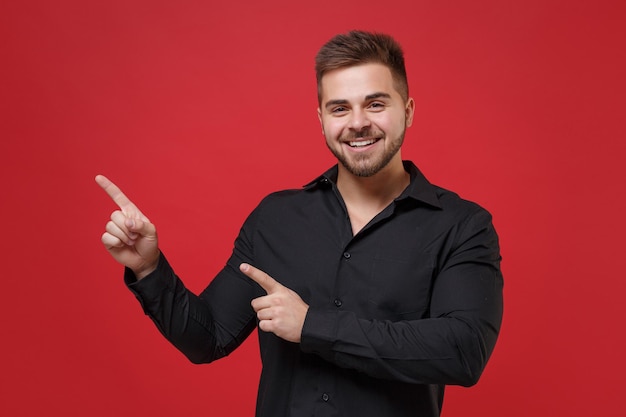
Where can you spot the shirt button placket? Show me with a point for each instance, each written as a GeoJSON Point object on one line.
{"type": "Point", "coordinates": [338, 303]}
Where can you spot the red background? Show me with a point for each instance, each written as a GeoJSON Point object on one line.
{"type": "Point", "coordinates": [198, 109]}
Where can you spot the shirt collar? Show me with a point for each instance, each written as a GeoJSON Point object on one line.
{"type": "Point", "coordinates": [419, 189]}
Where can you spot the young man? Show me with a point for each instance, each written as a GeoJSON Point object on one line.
{"type": "Point", "coordinates": [372, 288]}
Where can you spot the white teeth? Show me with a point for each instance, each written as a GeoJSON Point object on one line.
{"type": "Point", "coordinates": [361, 143]}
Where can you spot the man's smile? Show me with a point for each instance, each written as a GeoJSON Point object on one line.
{"type": "Point", "coordinates": [362, 143]}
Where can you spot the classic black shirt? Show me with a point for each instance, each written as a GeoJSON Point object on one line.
{"type": "Point", "coordinates": [409, 304]}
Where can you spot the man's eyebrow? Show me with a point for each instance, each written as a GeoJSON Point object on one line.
{"type": "Point", "coordinates": [377, 95]}
{"type": "Point", "coordinates": [338, 102]}
{"type": "Point", "coordinates": [341, 102]}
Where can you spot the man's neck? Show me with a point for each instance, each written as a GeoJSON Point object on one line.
{"type": "Point", "coordinates": [365, 197]}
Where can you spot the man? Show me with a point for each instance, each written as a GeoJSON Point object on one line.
{"type": "Point", "coordinates": [372, 288]}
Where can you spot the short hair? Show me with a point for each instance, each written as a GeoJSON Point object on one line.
{"type": "Point", "coordinates": [359, 47]}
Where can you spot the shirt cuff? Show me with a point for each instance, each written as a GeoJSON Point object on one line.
{"type": "Point", "coordinates": [319, 331]}
{"type": "Point", "coordinates": [152, 285]}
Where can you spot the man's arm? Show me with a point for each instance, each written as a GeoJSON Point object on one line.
{"type": "Point", "coordinates": [201, 331]}
{"type": "Point", "coordinates": [452, 346]}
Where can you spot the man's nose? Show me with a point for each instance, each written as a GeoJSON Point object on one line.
{"type": "Point", "coordinates": [359, 119]}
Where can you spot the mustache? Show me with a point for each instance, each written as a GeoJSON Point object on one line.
{"type": "Point", "coordinates": [363, 133]}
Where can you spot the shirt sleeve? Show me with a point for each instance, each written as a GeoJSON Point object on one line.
{"type": "Point", "coordinates": [207, 326]}
{"type": "Point", "coordinates": [449, 347]}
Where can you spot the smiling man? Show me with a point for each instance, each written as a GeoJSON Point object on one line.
{"type": "Point", "coordinates": [364, 128]}
{"type": "Point", "coordinates": [371, 288]}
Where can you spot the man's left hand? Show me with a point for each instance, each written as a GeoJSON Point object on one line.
{"type": "Point", "coordinates": [281, 311]}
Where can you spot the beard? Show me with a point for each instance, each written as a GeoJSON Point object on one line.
{"type": "Point", "coordinates": [365, 164]}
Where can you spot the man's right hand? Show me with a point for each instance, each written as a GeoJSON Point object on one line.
{"type": "Point", "coordinates": [129, 237]}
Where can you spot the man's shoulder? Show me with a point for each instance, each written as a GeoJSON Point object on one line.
{"type": "Point", "coordinates": [460, 209]}
{"type": "Point", "coordinates": [288, 197]}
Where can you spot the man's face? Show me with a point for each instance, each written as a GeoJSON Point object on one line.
{"type": "Point", "coordinates": [363, 117]}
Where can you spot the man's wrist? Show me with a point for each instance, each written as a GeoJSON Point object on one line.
{"type": "Point", "coordinates": [147, 269]}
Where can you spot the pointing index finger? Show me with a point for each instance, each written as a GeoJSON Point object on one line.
{"type": "Point", "coordinates": [118, 196]}
{"type": "Point", "coordinates": [266, 282]}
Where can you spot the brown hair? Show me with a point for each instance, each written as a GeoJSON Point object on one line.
{"type": "Point", "coordinates": [358, 47]}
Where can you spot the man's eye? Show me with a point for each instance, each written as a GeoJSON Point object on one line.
{"type": "Point", "coordinates": [338, 109]}
{"type": "Point", "coordinates": [377, 105]}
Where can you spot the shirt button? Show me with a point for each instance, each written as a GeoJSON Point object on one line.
{"type": "Point", "coordinates": [346, 255]}
{"type": "Point", "coordinates": [338, 302]}
{"type": "Point", "coordinates": [325, 397]}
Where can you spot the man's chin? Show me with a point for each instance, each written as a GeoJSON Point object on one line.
{"type": "Point", "coordinates": [363, 170]}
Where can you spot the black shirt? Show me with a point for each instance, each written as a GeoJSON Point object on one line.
{"type": "Point", "coordinates": [409, 304]}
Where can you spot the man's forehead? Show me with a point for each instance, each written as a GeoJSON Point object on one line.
{"type": "Point", "coordinates": [357, 88]}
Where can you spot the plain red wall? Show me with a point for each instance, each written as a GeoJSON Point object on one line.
{"type": "Point", "coordinates": [198, 109]}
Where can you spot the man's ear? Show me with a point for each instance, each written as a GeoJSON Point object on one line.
{"type": "Point", "coordinates": [409, 111]}
{"type": "Point", "coordinates": [319, 117]}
